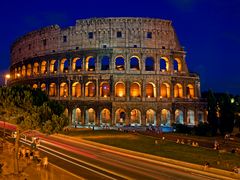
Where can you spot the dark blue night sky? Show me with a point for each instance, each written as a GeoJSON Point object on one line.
{"type": "Point", "coordinates": [208, 29]}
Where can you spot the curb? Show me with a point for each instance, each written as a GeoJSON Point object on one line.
{"type": "Point", "coordinates": [213, 172]}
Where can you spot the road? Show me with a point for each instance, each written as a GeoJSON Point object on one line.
{"type": "Point", "coordinates": [96, 162]}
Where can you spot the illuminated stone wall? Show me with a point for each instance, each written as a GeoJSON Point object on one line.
{"type": "Point", "coordinates": [111, 71]}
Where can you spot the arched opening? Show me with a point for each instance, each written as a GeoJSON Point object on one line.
{"type": "Point", "coordinates": [120, 89]}
{"type": "Point", "coordinates": [52, 89]}
{"type": "Point", "coordinates": [76, 117]}
{"type": "Point", "coordinates": [19, 71]}
{"type": "Point", "coordinates": [77, 64]}
{"type": "Point", "coordinates": [29, 70]}
{"type": "Point", "coordinates": [105, 117]}
{"type": "Point", "coordinates": [35, 86]}
{"type": "Point", "coordinates": [23, 71]}
{"type": "Point", "coordinates": [76, 89]}
{"type": "Point", "coordinates": [190, 91]}
{"type": "Point", "coordinates": [178, 91]}
{"type": "Point", "coordinates": [35, 68]}
{"type": "Point", "coordinates": [65, 113]}
{"type": "Point", "coordinates": [190, 117]}
{"type": "Point", "coordinates": [135, 118]}
{"type": "Point", "coordinates": [149, 64]}
{"type": "Point", "coordinates": [63, 89]}
{"type": "Point", "coordinates": [90, 90]}
{"type": "Point", "coordinates": [119, 63]}
{"type": "Point", "coordinates": [105, 63]}
{"type": "Point", "coordinates": [90, 63]}
{"type": "Point", "coordinates": [53, 66]}
{"type": "Point", "coordinates": [134, 63]}
{"type": "Point", "coordinates": [91, 116]}
{"type": "Point", "coordinates": [43, 87]}
{"type": "Point", "coordinates": [179, 117]}
{"type": "Point", "coordinates": [151, 117]}
{"type": "Point", "coordinates": [165, 90]}
{"type": "Point", "coordinates": [44, 67]}
{"type": "Point", "coordinates": [135, 90]}
{"type": "Point", "coordinates": [120, 117]}
{"type": "Point", "coordinates": [64, 66]}
{"type": "Point", "coordinates": [200, 117]}
{"type": "Point", "coordinates": [150, 90]}
{"type": "Point", "coordinates": [164, 64]}
{"type": "Point", "coordinates": [177, 65]}
{"type": "Point", "coordinates": [165, 117]}
{"type": "Point", "coordinates": [104, 89]}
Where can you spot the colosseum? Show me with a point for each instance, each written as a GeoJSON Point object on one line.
{"type": "Point", "coordinates": [112, 71]}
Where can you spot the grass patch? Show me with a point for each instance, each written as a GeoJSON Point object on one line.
{"type": "Point", "coordinates": [166, 149]}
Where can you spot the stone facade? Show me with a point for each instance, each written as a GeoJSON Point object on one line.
{"type": "Point", "coordinates": [112, 71]}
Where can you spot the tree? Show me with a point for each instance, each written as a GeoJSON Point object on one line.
{"type": "Point", "coordinates": [212, 111]}
{"type": "Point", "coordinates": [29, 109]}
{"type": "Point", "coordinates": [226, 113]}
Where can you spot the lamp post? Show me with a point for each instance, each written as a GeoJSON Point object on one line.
{"type": "Point", "coordinates": [7, 77]}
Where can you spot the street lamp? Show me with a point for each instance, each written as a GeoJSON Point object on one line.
{"type": "Point", "coordinates": [7, 77]}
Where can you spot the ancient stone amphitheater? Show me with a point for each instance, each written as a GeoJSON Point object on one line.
{"type": "Point", "coordinates": [112, 71]}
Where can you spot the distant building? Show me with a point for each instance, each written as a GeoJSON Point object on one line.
{"type": "Point", "coordinates": [114, 71]}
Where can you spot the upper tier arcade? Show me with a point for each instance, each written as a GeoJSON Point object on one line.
{"type": "Point", "coordinates": [97, 33]}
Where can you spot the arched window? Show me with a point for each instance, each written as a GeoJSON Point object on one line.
{"type": "Point", "coordinates": [76, 89]}
{"type": "Point", "coordinates": [120, 89]}
{"type": "Point", "coordinates": [65, 113]}
{"type": "Point", "coordinates": [35, 86]}
{"type": "Point", "coordinates": [53, 66]}
{"type": "Point", "coordinates": [44, 67]}
{"type": "Point", "coordinates": [29, 70]}
{"type": "Point", "coordinates": [63, 89]}
{"type": "Point", "coordinates": [165, 117]}
{"type": "Point", "coordinates": [90, 90]}
{"type": "Point", "coordinates": [165, 90]}
{"type": "Point", "coordinates": [43, 87]}
{"type": "Point", "coordinates": [190, 91]}
{"type": "Point", "coordinates": [90, 63]}
{"type": "Point", "coordinates": [119, 63]}
{"type": "Point", "coordinates": [164, 64]}
{"type": "Point", "coordinates": [105, 62]}
{"type": "Point", "coordinates": [200, 117]}
{"type": "Point", "coordinates": [177, 65]}
{"type": "Point", "coordinates": [23, 71]}
{"type": "Point", "coordinates": [76, 117]}
{"type": "Point", "coordinates": [150, 117]}
{"type": "Point", "coordinates": [77, 64]}
{"type": "Point", "coordinates": [105, 89]}
{"type": "Point", "coordinates": [35, 68]}
{"type": "Point", "coordinates": [179, 117]}
{"type": "Point", "coordinates": [150, 90]}
{"type": "Point", "coordinates": [135, 118]}
{"type": "Point", "coordinates": [52, 89]}
{"type": "Point", "coordinates": [64, 66]}
{"type": "Point", "coordinates": [91, 116]}
{"type": "Point", "coordinates": [178, 91]}
{"type": "Point", "coordinates": [134, 63]}
{"type": "Point", "coordinates": [190, 117]}
{"type": "Point", "coordinates": [19, 71]}
{"type": "Point", "coordinates": [120, 116]}
{"type": "Point", "coordinates": [149, 64]}
{"type": "Point", "coordinates": [105, 116]}
{"type": "Point", "coordinates": [135, 90]}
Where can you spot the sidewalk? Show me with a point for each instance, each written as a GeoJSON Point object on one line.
{"type": "Point", "coordinates": [30, 169]}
